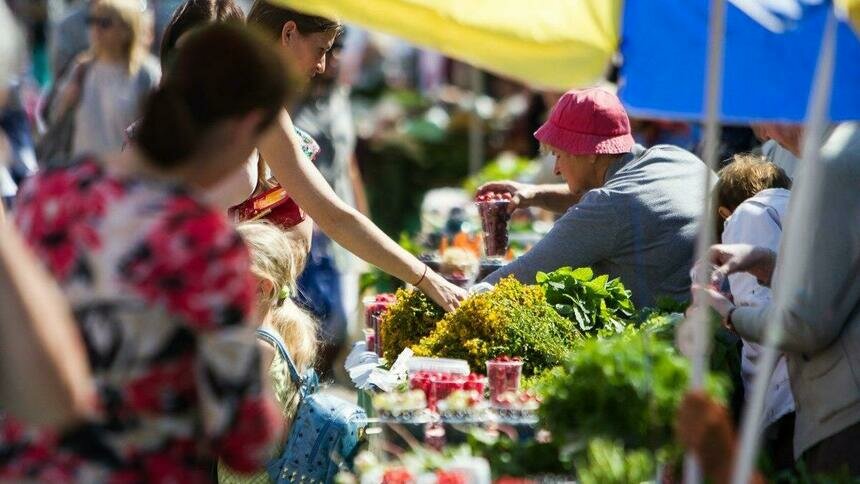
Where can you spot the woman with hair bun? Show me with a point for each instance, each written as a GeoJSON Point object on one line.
{"type": "Point", "coordinates": [160, 283]}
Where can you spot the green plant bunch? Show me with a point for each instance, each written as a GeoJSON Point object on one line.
{"type": "Point", "coordinates": [505, 167]}
{"type": "Point", "coordinates": [607, 462]}
{"type": "Point", "coordinates": [626, 388]}
{"type": "Point", "coordinates": [411, 317]}
{"type": "Point", "coordinates": [592, 303]}
{"type": "Point", "coordinates": [724, 356]}
{"type": "Point", "coordinates": [518, 457]}
{"type": "Point", "coordinates": [512, 319]}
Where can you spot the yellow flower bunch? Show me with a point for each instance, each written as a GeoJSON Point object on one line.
{"type": "Point", "coordinates": [513, 319]}
{"type": "Point", "coordinates": [411, 317]}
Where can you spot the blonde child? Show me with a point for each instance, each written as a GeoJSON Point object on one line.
{"type": "Point", "coordinates": [276, 262]}
{"type": "Point", "coordinates": [752, 196]}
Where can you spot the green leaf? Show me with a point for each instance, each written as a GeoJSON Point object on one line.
{"type": "Point", "coordinates": [583, 274]}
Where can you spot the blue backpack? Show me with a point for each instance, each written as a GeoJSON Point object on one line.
{"type": "Point", "coordinates": [325, 432]}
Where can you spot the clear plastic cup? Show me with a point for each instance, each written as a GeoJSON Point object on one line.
{"type": "Point", "coordinates": [503, 376]}
{"type": "Point", "coordinates": [374, 307]}
{"type": "Point", "coordinates": [370, 339]}
{"type": "Point", "coordinates": [494, 221]}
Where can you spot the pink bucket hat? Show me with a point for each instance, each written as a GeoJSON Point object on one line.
{"type": "Point", "coordinates": [587, 122]}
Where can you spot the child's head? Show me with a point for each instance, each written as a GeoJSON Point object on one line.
{"type": "Point", "coordinates": [276, 262]}
{"type": "Point", "coordinates": [743, 178]}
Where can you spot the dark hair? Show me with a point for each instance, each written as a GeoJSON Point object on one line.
{"type": "Point", "coordinates": [193, 14]}
{"type": "Point", "coordinates": [221, 71]}
{"type": "Point", "coordinates": [271, 19]}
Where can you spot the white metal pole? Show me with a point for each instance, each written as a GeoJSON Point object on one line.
{"type": "Point", "coordinates": [796, 247]}
{"type": "Point", "coordinates": [712, 102]}
{"type": "Point", "coordinates": [476, 123]}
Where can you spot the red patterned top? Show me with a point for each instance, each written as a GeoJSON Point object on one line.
{"type": "Point", "coordinates": [161, 290]}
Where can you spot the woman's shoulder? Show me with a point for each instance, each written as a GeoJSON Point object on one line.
{"type": "Point", "coordinates": [78, 174]}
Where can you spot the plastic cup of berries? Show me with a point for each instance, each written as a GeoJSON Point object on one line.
{"type": "Point", "coordinates": [493, 208]}
{"type": "Point", "coordinates": [475, 382]}
{"type": "Point", "coordinates": [503, 375]}
{"type": "Point", "coordinates": [444, 384]}
{"type": "Point", "coordinates": [370, 340]}
{"type": "Point", "coordinates": [374, 308]}
{"type": "Point", "coordinates": [423, 380]}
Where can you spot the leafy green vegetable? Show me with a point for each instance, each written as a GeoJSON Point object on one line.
{"type": "Point", "coordinates": [592, 303]}
{"type": "Point", "coordinates": [608, 462]}
{"type": "Point", "coordinates": [518, 457]}
{"type": "Point", "coordinates": [626, 388]}
{"type": "Point", "coordinates": [505, 167]}
{"type": "Point", "coordinates": [725, 355]}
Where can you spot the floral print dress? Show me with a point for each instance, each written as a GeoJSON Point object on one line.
{"type": "Point", "coordinates": [161, 291]}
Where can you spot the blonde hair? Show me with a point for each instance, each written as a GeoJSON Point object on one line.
{"type": "Point", "coordinates": [131, 14]}
{"type": "Point", "coordinates": [279, 260]}
{"type": "Point", "coordinates": [745, 176]}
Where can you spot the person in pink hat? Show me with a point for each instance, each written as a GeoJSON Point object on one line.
{"type": "Point", "coordinates": [629, 212]}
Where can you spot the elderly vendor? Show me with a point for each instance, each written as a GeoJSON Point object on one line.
{"type": "Point", "coordinates": [629, 212]}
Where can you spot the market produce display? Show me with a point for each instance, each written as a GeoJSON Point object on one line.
{"type": "Point", "coordinates": [595, 304]}
{"type": "Point", "coordinates": [590, 384]}
{"type": "Point", "coordinates": [409, 318]}
{"type": "Point", "coordinates": [511, 319]}
{"type": "Point", "coordinates": [625, 388]}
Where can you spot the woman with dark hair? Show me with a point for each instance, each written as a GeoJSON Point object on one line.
{"type": "Point", "coordinates": [239, 184]}
{"type": "Point", "coordinates": [193, 14]}
{"type": "Point", "coordinates": [306, 39]}
{"type": "Point", "coordinates": [159, 282]}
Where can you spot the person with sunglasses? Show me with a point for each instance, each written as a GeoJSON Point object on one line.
{"type": "Point", "coordinates": [104, 89]}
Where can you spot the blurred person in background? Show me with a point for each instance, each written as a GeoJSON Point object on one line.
{"type": "Point", "coordinates": [68, 37]}
{"type": "Point", "coordinates": [306, 39]}
{"type": "Point", "coordinates": [159, 282]}
{"type": "Point", "coordinates": [44, 377]}
{"type": "Point", "coordinates": [106, 86]}
{"type": "Point", "coordinates": [329, 284]}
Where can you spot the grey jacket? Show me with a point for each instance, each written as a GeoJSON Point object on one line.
{"type": "Point", "coordinates": [822, 318]}
{"type": "Point", "coordinates": [641, 226]}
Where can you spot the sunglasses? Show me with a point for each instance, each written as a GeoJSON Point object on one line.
{"type": "Point", "coordinates": [100, 22]}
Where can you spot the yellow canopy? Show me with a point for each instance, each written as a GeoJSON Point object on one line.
{"type": "Point", "coordinates": [558, 44]}
{"type": "Point", "coordinates": [852, 10]}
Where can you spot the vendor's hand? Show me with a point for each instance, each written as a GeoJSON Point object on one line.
{"type": "Point", "coordinates": [522, 194]}
{"type": "Point", "coordinates": [442, 292]}
{"type": "Point", "coordinates": [705, 296]}
{"type": "Point", "coordinates": [732, 258]}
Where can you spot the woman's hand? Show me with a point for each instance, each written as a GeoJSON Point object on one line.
{"type": "Point", "coordinates": [732, 258]}
{"type": "Point", "coordinates": [522, 194]}
{"type": "Point", "coordinates": [442, 292]}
